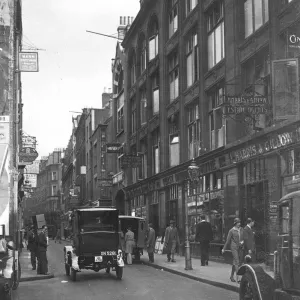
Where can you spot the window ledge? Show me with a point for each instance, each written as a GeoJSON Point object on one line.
{"type": "Point", "coordinates": [190, 15]}
{"type": "Point", "coordinates": [253, 36]}
{"type": "Point", "coordinates": [285, 9]}
{"type": "Point", "coordinates": [120, 132]}
{"type": "Point", "coordinates": [214, 68]}
{"type": "Point", "coordinates": [173, 102]}
{"type": "Point", "coordinates": [187, 90]}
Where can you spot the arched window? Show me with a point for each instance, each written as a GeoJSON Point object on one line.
{"type": "Point", "coordinates": [153, 40]}
{"type": "Point", "coordinates": [173, 16]}
{"type": "Point", "coordinates": [132, 66]}
{"type": "Point", "coordinates": [142, 53]}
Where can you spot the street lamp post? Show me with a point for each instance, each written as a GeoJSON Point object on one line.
{"type": "Point", "coordinates": [193, 171]}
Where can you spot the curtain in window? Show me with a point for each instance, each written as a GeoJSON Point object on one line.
{"type": "Point", "coordinates": [218, 33]}
{"type": "Point", "coordinates": [248, 8]}
{"type": "Point", "coordinates": [258, 13]}
{"type": "Point", "coordinates": [155, 101]}
{"type": "Point", "coordinates": [152, 48]}
{"type": "Point", "coordinates": [211, 50]}
{"type": "Point", "coordinates": [189, 69]}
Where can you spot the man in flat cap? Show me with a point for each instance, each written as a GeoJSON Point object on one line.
{"type": "Point", "coordinates": [171, 241]}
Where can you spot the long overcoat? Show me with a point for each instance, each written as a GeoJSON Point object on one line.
{"type": "Point", "coordinates": [151, 240]}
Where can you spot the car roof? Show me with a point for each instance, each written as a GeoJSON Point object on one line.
{"type": "Point", "coordinates": [130, 217]}
{"type": "Point", "coordinates": [97, 209]}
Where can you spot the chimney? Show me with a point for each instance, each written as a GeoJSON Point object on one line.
{"type": "Point", "coordinates": [125, 23]}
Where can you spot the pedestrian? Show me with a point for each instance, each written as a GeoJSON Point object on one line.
{"type": "Point", "coordinates": [129, 245]}
{"type": "Point", "coordinates": [235, 240]}
{"type": "Point", "coordinates": [171, 241]}
{"type": "Point", "coordinates": [32, 246]}
{"type": "Point", "coordinates": [204, 234]}
{"type": "Point", "coordinates": [249, 241]}
{"type": "Point", "coordinates": [150, 242]}
{"type": "Point", "coordinates": [58, 236]}
{"type": "Point", "coordinates": [42, 252]}
{"type": "Point", "coordinates": [3, 246]}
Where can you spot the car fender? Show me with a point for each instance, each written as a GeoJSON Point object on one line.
{"type": "Point", "coordinates": [120, 261]}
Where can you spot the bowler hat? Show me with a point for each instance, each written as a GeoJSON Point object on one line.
{"type": "Point", "coordinates": [236, 220]}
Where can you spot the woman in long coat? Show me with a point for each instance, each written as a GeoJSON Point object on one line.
{"type": "Point", "coordinates": [235, 241]}
{"type": "Point", "coordinates": [129, 245]}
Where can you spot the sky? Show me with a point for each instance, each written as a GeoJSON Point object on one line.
{"type": "Point", "coordinates": [75, 67]}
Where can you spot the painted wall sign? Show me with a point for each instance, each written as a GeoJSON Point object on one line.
{"type": "Point", "coordinates": [131, 161]}
{"type": "Point", "coordinates": [28, 62]}
{"type": "Point", "coordinates": [294, 41]}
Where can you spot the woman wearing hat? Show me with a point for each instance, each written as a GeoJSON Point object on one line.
{"type": "Point", "coordinates": [235, 241]}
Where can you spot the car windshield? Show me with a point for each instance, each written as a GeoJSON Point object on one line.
{"type": "Point", "coordinates": [98, 221]}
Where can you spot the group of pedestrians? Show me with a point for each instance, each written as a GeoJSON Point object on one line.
{"type": "Point", "coordinates": [37, 245]}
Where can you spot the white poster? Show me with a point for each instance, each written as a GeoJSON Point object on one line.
{"type": "Point", "coordinates": [4, 12]}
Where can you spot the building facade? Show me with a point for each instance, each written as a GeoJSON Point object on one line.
{"type": "Point", "coordinates": [214, 80]}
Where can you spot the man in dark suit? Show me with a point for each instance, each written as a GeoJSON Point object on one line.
{"type": "Point", "coordinates": [249, 240]}
{"type": "Point", "coordinates": [32, 246]}
{"type": "Point", "coordinates": [42, 252]}
{"type": "Point", "coordinates": [204, 234]}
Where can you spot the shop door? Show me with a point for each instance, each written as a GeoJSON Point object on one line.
{"type": "Point", "coordinates": [154, 217]}
{"type": "Point", "coordinates": [172, 211]}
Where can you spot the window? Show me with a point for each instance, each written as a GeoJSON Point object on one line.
{"type": "Point", "coordinates": [217, 123]}
{"type": "Point", "coordinates": [194, 137]}
{"type": "Point", "coordinates": [174, 142]}
{"type": "Point", "coordinates": [54, 175]}
{"type": "Point", "coordinates": [256, 14]}
{"type": "Point", "coordinates": [143, 56]}
{"type": "Point", "coordinates": [142, 171]}
{"type": "Point", "coordinates": [215, 31]}
{"type": "Point", "coordinates": [155, 93]}
{"type": "Point", "coordinates": [173, 17]}
{"type": "Point", "coordinates": [192, 59]}
{"type": "Point", "coordinates": [54, 190]}
{"type": "Point", "coordinates": [156, 142]}
{"type": "Point", "coordinates": [153, 40]}
{"type": "Point", "coordinates": [143, 106]}
{"type": "Point", "coordinates": [133, 115]}
{"type": "Point", "coordinates": [134, 170]}
{"type": "Point", "coordinates": [120, 110]}
{"type": "Point", "coordinates": [133, 70]}
{"type": "Point", "coordinates": [173, 76]}
{"type": "Point", "coordinates": [190, 5]}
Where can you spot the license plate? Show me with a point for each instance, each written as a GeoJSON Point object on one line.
{"type": "Point", "coordinates": [98, 259]}
{"type": "Point", "coordinates": [108, 253]}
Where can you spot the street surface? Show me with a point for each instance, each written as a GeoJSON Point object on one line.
{"type": "Point", "coordinates": [139, 282]}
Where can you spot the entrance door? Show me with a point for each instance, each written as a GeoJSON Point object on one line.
{"type": "Point", "coordinates": [154, 217]}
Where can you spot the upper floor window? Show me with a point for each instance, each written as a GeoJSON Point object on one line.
{"type": "Point", "coordinates": [194, 137]}
{"type": "Point", "coordinates": [120, 113]}
{"type": "Point", "coordinates": [173, 75]}
{"type": "Point", "coordinates": [142, 170]}
{"type": "Point", "coordinates": [133, 115]}
{"type": "Point", "coordinates": [153, 40]}
{"type": "Point", "coordinates": [192, 59]}
{"type": "Point", "coordinates": [173, 17]}
{"type": "Point", "coordinates": [190, 5]}
{"type": "Point", "coordinates": [53, 190]}
{"type": "Point", "coordinates": [143, 54]}
{"type": "Point", "coordinates": [215, 31]}
{"type": "Point", "coordinates": [143, 106]}
{"type": "Point", "coordinates": [54, 175]}
{"type": "Point", "coordinates": [174, 141]}
{"type": "Point", "coordinates": [133, 70]}
{"type": "Point", "coordinates": [156, 145]}
{"type": "Point", "coordinates": [155, 93]}
{"type": "Point", "coordinates": [256, 14]}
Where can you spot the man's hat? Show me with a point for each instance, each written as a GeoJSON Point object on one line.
{"type": "Point", "coordinates": [172, 222]}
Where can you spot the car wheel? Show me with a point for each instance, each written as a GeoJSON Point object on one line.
{"type": "Point", "coordinates": [73, 274]}
{"type": "Point", "coordinates": [67, 268]}
{"type": "Point", "coordinates": [107, 270]}
{"type": "Point", "coordinates": [119, 272]}
{"type": "Point", "coordinates": [248, 290]}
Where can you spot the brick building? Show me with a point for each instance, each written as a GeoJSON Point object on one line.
{"type": "Point", "coordinates": [188, 65]}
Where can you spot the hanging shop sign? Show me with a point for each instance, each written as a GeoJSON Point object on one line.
{"type": "Point", "coordinates": [28, 62]}
{"type": "Point", "coordinates": [271, 143]}
{"type": "Point", "coordinates": [105, 182]}
{"type": "Point", "coordinates": [114, 148]}
{"type": "Point", "coordinates": [131, 161]}
{"type": "Point", "coordinates": [29, 141]}
{"type": "Point", "coordinates": [245, 104]}
{"type": "Point", "coordinates": [27, 155]}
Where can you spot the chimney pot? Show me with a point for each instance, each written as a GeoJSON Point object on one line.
{"type": "Point", "coordinates": [121, 19]}
{"type": "Point", "coordinates": [128, 20]}
{"type": "Point", "coordinates": [124, 20]}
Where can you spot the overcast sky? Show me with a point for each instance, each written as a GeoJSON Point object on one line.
{"type": "Point", "coordinates": [75, 67]}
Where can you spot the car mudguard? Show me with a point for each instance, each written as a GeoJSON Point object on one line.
{"type": "Point", "coordinates": [120, 261]}
{"type": "Point", "coordinates": [70, 251]}
{"type": "Point", "coordinates": [264, 283]}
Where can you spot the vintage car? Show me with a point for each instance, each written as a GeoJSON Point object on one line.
{"type": "Point", "coordinates": [95, 235]}
{"type": "Point", "coordinates": [138, 227]}
{"type": "Point", "coordinates": [255, 283]}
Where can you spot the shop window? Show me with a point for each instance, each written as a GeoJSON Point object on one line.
{"type": "Point", "coordinates": [173, 17]}
{"type": "Point", "coordinates": [190, 5]}
{"type": "Point", "coordinates": [217, 123]}
{"type": "Point", "coordinates": [153, 40]}
{"type": "Point", "coordinates": [174, 142]}
{"type": "Point", "coordinates": [172, 203]}
{"type": "Point", "coordinates": [143, 106]}
{"type": "Point", "coordinates": [156, 145]}
{"type": "Point", "coordinates": [256, 14]}
{"type": "Point", "coordinates": [133, 115]}
{"type": "Point", "coordinates": [292, 163]}
{"type": "Point", "coordinates": [215, 33]}
{"type": "Point", "coordinates": [254, 171]}
{"type": "Point", "coordinates": [155, 93]}
{"type": "Point", "coordinates": [194, 132]}
{"type": "Point", "coordinates": [192, 59]}
{"type": "Point", "coordinates": [120, 112]}
{"type": "Point", "coordinates": [173, 75]}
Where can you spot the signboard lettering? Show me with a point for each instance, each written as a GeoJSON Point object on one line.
{"type": "Point", "coordinates": [294, 41]}
{"type": "Point", "coordinates": [131, 161]}
{"type": "Point", "coordinates": [28, 62]}
{"type": "Point", "coordinates": [114, 148]}
{"type": "Point", "coordinates": [28, 154]}
{"type": "Point", "coordinates": [105, 182]}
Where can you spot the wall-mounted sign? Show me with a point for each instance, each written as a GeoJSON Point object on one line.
{"type": "Point", "coordinates": [27, 155]}
{"type": "Point", "coordinates": [31, 179]}
{"type": "Point", "coordinates": [28, 62]}
{"type": "Point", "coordinates": [131, 161]}
{"type": "Point", "coordinates": [29, 141]}
{"type": "Point", "coordinates": [114, 148]}
{"type": "Point", "coordinates": [294, 41]}
{"type": "Point", "coordinates": [105, 182]}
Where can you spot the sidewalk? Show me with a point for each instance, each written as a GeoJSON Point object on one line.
{"type": "Point", "coordinates": [27, 274]}
{"type": "Point", "coordinates": [216, 274]}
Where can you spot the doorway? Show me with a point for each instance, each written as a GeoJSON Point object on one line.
{"type": "Point", "coordinates": [120, 202]}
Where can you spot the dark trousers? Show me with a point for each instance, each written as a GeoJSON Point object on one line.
{"type": "Point", "coordinates": [33, 258]}
{"type": "Point", "coordinates": [204, 246]}
{"type": "Point", "coordinates": [42, 263]}
{"type": "Point", "coordinates": [151, 257]}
